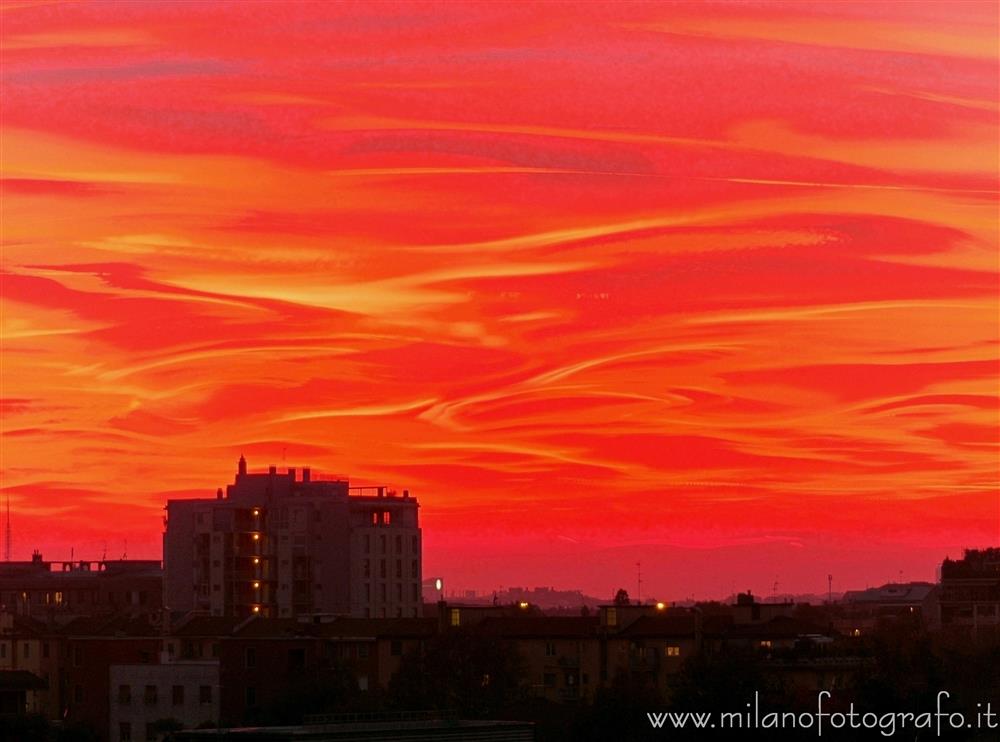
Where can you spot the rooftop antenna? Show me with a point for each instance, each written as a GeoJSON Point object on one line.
{"type": "Point", "coordinates": [829, 589]}
{"type": "Point", "coordinates": [6, 540]}
{"type": "Point", "coordinates": [125, 553]}
{"type": "Point", "coordinates": [638, 592]}
{"type": "Point", "coordinates": [104, 554]}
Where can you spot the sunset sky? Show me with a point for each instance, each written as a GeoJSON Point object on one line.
{"type": "Point", "coordinates": [713, 287]}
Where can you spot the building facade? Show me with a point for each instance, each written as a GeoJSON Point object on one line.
{"type": "Point", "coordinates": [62, 590]}
{"type": "Point", "coordinates": [143, 696]}
{"type": "Point", "coordinates": [970, 590]}
{"type": "Point", "coordinates": [282, 545]}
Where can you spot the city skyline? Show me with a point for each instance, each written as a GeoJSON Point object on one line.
{"type": "Point", "coordinates": [600, 284]}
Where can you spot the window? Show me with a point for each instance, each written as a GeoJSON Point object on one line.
{"type": "Point", "coordinates": [386, 517]}
{"type": "Point", "coordinates": [251, 696]}
{"type": "Point", "coordinates": [77, 656]}
{"type": "Point", "coordinates": [149, 695]}
{"type": "Point", "coordinates": [124, 732]}
{"type": "Point", "coordinates": [396, 648]}
{"type": "Point", "coordinates": [124, 694]}
{"type": "Point", "coordinates": [177, 695]}
{"type": "Point", "coordinates": [368, 544]}
{"type": "Point", "coordinates": [399, 592]}
{"type": "Point", "coordinates": [381, 544]}
{"type": "Point", "coordinates": [250, 658]}
{"type": "Point", "coordinates": [204, 694]}
{"type": "Point", "coordinates": [296, 659]}
{"type": "Point", "coordinates": [399, 544]}
{"type": "Point", "coordinates": [549, 679]}
{"type": "Point", "coordinates": [3, 650]}
{"type": "Point", "coordinates": [362, 651]}
{"type": "Point", "coordinates": [415, 569]}
{"type": "Point", "coordinates": [45, 650]}
{"type": "Point", "coordinates": [381, 568]}
{"type": "Point", "coordinates": [26, 651]}
{"type": "Point", "coordinates": [368, 568]}
{"type": "Point", "coordinates": [416, 545]}
{"type": "Point", "coordinates": [382, 591]}
{"type": "Point", "coordinates": [612, 616]}
{"type": "Point", "coordinates": [374, 517]}
{"type": "Point", "coordinates": [368, 591]}
{"type": "Point", "coordinates": [550, 649]}
{"type": "Point", "coordinates": [765, 644]}
{"type": "Point", "coordinates": [399, 569]}
{"type": "Point", "coordinates": [456, 617]}
{"type": "Point", "coordinates": [416, 591]}
{"type": "Point", "coordinates": [673, 651]}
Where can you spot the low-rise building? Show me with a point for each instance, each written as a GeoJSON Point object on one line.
{"type": "Point", "coordinates": [146, 699]}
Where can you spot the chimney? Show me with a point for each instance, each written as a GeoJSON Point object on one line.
{"type": "Point", "coordinates": [406, 494]}
{"type": "Point", "coordinates": [306, 473]}
{"type": "Point", "coordinates": [272, 470]}
{"type": "Point", "coordinates": [291, 473]}
{"type": "Point", "coordinates": [242, 467]}
{"type": "Point", "coordinates": [218, 494]}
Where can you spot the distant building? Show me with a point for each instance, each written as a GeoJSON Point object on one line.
{"type": "Point", "coordinates": [282, 546]}
{"type": "Point", "coordinates": [81, 588]}
{"type": "Point", "coordinates": [862, 610]}
{"type": "Point", "coordinates": [970, 589]}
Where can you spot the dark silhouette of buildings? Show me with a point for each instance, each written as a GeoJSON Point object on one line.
{"type": "Point", "coordinates": [970, 589]}
{"type": "Point", "coordinates": [282, 545]}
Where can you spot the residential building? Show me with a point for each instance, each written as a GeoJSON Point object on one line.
{"type": "Point", "coordinates": [970, 589]}
{"type": "Point", "coordinates": [282, 545]}
{"type": "Point", "coordinates": [140, 695]}
{"type": "Point", "coordinates": [63, 590]}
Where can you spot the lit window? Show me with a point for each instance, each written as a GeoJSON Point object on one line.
{"type": "Point", "coordinates": [765, 644]}
{"type": "Point", "coordinates": [673, 651]}
{"type": "Point", "coordinates": [386, 517]}
{"type": "Point", "coordinates": [456, 617]}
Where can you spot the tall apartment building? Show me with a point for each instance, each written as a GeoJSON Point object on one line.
{"type": "Point", "coordinates": [278, 545]}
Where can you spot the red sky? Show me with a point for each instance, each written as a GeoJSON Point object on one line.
{"type": "Point", "coordinates": [713, 287]}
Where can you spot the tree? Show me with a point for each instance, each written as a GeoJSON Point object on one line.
{"type": "Point", "coordinates": [621, 597]}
